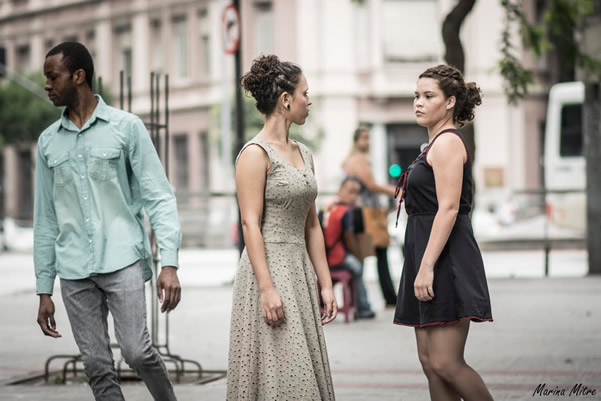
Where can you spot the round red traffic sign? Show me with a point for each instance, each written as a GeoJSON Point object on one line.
{"type": "Point", "coordinates": [230, 29]}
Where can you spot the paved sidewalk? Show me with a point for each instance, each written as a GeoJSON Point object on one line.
{"type": "Point", "coordinates": [545, 331]}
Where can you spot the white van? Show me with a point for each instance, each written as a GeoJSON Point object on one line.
{"type": "Point", "coordinates": [564, 163]}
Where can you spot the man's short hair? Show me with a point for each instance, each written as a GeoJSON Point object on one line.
{"type": "Point", "coordinates": [350, 178]}
{"type": "Point", "coordinates": [75, 57]}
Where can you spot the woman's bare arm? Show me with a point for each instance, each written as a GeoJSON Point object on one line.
{"type": "Point", "coordinates": [251, 171]}
{"type": "Point", "coordinates": [447, 158]}
{"type": "Point", "coordinates": [359, 167]}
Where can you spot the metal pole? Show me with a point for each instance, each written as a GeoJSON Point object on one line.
{"type": "Point", "coordinates": [121, 89]}
{"type": "Point", "coordinates": [158, 114]}
{"type": "Point", "coordinates": [100, 88]}
{"type": "Point", "coordinates": [167, 125]}
{"type": "Point", "coordinates": [153, 291]}
{"type": "Point", "coordinates": [239, 114]}
{"type": "Point", "coordinates": [129, 93]}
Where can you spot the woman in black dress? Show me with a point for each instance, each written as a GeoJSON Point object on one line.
{"type": "Point", "coordinates": [443, 285]}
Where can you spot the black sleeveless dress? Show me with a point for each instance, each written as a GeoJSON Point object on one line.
{"type": "Point", "coordinates": [459, 286]}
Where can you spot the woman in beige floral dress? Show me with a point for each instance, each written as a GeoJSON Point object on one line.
{"type": "Point", "coordinates": [277, 345]}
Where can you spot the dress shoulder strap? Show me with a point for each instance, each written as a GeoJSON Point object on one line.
{"type": "Point", "coordinates": [307, 155]}
{"type": "Point", "coordinates": [259, 143]}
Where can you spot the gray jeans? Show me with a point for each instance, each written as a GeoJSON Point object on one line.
{"type": "Point", "coordinates": [88, 302]}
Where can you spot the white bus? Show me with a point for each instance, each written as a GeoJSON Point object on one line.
{"type": "Point", "coordinates": [564, 163]}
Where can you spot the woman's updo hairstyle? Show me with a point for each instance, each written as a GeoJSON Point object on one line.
{"type": "Point", "coordinates": [467, 95]}
{"type": "Point", "coordinates": [268, 78]}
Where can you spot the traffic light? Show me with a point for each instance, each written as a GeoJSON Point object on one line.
{"type": "Point", "coordinates": [394, 170]}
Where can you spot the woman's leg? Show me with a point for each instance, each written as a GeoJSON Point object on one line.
{"type": "Point", "coordinates": [446, 345]}
{"type": "Point", "coordinates": [439, 389]}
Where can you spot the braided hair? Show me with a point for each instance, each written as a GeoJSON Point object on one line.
{"type": "Point", "coordinates": [268, 78]}
{"type": "Point", "coordinates": [467, 95]}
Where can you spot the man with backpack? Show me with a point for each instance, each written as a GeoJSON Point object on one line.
{"type": "Point", "coordinates": [342, 244]}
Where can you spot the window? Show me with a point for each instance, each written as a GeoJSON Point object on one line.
{"type": "Point", "coordinates": [23, 58]}
{"type": "Point", "coordinates": [264, 27]}
{"type": "Point", "coordinates": [124, 51]}
{"type": "Point", "coordinates": [180, 46]}
{"type": "Point", "coordinates": [571, 131]}
{"type": "Point", "coordinates": [156, 35]}
{"type": "Point", "coordinates": [70, 38]}
{"type": "Point", "coordinates": [180, 148]}
{"type": "Point", "coordinates": [205, 161]}
{"type": "Point", "coordinates": [401, 26]}
{"type": "Point", "coordinates": [2, 60]}
{"type": "Point", "coordinates": [205, 42]}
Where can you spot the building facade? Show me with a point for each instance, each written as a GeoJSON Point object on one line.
{"type": "Point", "coordinates": [361, 60]}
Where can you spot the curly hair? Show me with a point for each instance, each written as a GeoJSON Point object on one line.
{"type": "Point", "coordinates": [75, 57]}
{"type": "Point", "coordinates": [467, 95]}
{"type": "Point", "coordinates": [268, 78]}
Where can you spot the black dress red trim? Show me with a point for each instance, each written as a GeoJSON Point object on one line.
{"type": "Point", "coordinates": [460, 287]}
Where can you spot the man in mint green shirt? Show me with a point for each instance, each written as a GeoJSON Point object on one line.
{"type": "Point", "coordinates": [96, 171]}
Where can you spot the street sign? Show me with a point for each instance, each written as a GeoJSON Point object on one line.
{"type": "Point", "coordinates": [230, 29]}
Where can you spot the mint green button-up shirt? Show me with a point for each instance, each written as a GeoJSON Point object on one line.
{"type": "Point", "coordinates": [91, 186]}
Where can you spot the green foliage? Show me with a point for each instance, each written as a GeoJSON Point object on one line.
{"type": "Point", "coordinates": [23, 115]}
{"type": "Point", "coordinates": [559, 22]}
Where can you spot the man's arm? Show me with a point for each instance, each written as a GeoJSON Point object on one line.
{"type": "Point", "coordinates": [45, 232]}
{"type": "Point", "coordinates": [160, 206]}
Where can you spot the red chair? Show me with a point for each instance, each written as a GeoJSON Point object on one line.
{"type": "Point", "coordinates": [345, 278]}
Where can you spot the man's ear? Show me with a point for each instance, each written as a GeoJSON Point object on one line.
{"type": "Point", "coordinates": [79, 76]}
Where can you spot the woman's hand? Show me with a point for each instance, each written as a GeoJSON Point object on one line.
{"type": "Point", "coordinates": [331, 308]}
{"type": "Point", "coordinates": [272, 308]}
{"type": "Point", "coordinates": [423, 285]}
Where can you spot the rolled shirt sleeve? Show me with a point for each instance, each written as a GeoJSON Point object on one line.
{"type": "Point", "coordinates": [157, 196]}
{"type": "Point", "coordinates": [45, 227]}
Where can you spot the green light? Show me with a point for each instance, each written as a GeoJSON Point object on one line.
{"type": "Point", "coordinates": [394, 170]}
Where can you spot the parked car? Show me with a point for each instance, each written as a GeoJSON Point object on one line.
{"type": "Point", "coordinates": [564, 163]}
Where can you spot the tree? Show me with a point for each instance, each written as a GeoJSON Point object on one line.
{"type": "Point", "coordinates": [23, 114]}
{"type": "Point", "coordinates": [455, 56]}
{"type": "Point", "coordinates": [560, 23]}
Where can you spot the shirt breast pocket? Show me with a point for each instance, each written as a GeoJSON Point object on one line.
{"type": "Point", "coordinates": [103, 163]}
{"type": "Point", "coordinates": [62, 170]}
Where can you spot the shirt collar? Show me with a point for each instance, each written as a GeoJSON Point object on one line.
{"type": "Point", "coordinates": [101, 111]}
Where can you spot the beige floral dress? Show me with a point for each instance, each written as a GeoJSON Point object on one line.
{"type": "Point", "coordinates": [290, 361]}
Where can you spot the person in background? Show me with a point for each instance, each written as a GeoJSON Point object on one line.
{"type": "Point", "coordinates": [443, 285]}
{"type": "Point", "coordinates": [342, 245]}
{"type": "Point", "coordinates": [358, 165]}
{"type": "Point", "coordinates": [96, 173]}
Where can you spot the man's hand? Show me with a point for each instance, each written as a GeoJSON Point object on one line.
{"type": "Point", "coordinates": [168, 288]}
{"type": "Point", "coordinates": [46, 316]}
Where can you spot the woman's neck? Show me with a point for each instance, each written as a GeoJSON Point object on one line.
{"type": "Point", "coordinates": [276, 129]}
{"type": "Point", "coordinates": [438, 127]}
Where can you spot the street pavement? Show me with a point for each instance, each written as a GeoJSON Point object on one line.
{"type": "Point", "coordinates": [546, 330]}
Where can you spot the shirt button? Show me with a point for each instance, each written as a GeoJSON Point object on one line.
{"type": "Point", "coordinates": [104, 154]}
{"type": "Point", "coordinates": [79, 156]}
{"type": "Point", "coordinates": [85, 198]}
{"type": "Point", "coordinates": [87, 220]}
{"type": "Point", "coordinates": [90, 241]}
{"type": "Point", "coordinates": [83, 176]}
